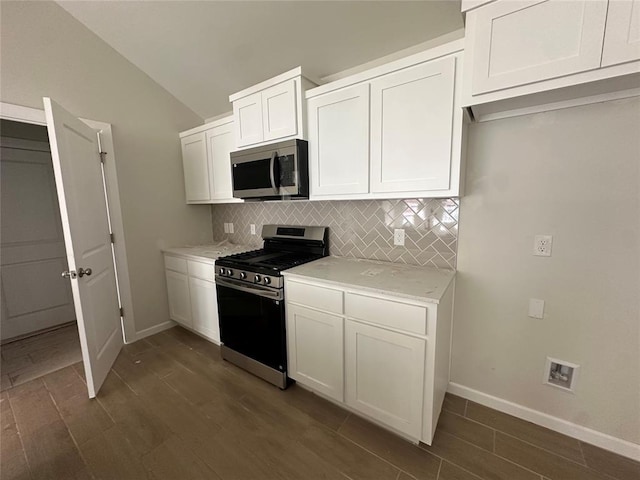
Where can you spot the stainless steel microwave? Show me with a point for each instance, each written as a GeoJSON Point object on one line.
{"type": "Point", "coordinates": [271, 172]}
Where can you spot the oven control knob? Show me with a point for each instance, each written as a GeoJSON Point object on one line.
{"type": "Point", "coordinates": [222, 270]}
{"type": "Point", "coordinates": [267, 280]}
{"type": "Point", "coordinates": [243, 275]}
{"type": "Point", "coordinates": [257, 279]}
{"type": "Point", "coordinates": [229, 272]}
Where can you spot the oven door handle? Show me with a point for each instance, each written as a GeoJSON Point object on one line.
{"type": "Point", "coordinates": [272, 173]}
{"type": "Point", "coordinates": [256, 290]}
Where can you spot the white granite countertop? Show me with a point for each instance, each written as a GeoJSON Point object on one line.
{"type": "Point", "coordinates": [424, 284]}
{"type": "Point", "coordinates": [209, 253]}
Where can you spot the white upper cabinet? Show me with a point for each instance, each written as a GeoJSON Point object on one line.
{"type": "Point", "coordinates": [220, 144]}
{"type": "Point", "coordinates": [279, 114]}
{"type": "Point", "coordinates": [528, 41]}
{"type": "Point", "coordinates": [394, 131]}
{"type": "Point", "coordinates": [206, 157]}
{"type": "Point", "coordinates": [272, 110]}
{"type": "Point", "coordinates": [535, 55]}
{"type": "Point", "coordinates": [339, 141]}
{"type": "Point", "coordinates": [622, 35]}
{"type": "Point", "coordinates": [411, 128]}
{"type": "Point", "coordinates": [196, 167]}
{"type": "Point", "coordinates": [247, 113]}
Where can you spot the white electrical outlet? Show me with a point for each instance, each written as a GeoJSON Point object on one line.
{"type": "Point", "coordinates": [253, 228]}
{"type": "Point", "coordinates": [398, 236]}
{"type": "Point", "coordinates": [226, 227]}
{"type": "Point", "coordinates": [231, 228]}
{"type": "Point", "coordinates": [542, 245]}
{"type": "Point", "coordinates": [536, 308]}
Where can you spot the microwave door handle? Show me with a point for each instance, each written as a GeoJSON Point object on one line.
{"type": "Point", "coordinates": [272, 173]}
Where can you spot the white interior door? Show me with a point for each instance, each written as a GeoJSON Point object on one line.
{"type": "Point", "coordinates": [85, 224]}
{"type": "Point", "coordinates": [32, 255]}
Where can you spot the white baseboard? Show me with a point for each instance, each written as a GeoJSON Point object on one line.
{"type": "Point", "coordinates": [602, 440]}
{"type": "Point", "coordinates": [147, 332]}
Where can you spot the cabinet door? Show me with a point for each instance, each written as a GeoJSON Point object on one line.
{"type": "Point", "coordinates": [411, 128]}
{"type": "Point", "coordinates": [622, 33]}
{"type": "Point", "coordinates": [196, 167]}
{"type": "Point", "coordinates": [179, 299]}
{"type": "Point", "coordinates": [279, 115]}
{"type": "Point", "coordinates": [204, 308]}
{"type": "Point", "coordinates": [315, 350]}
{"type": "Point", "coordinates": [339, 141]}
{"type": "Point", "coordinates": [384, 376]}
{"type": "Point", "coordinates": [515, 43]}
{"type": "Point", "coordinates": [220, 144]}
{"type": "Point", "coordinates": [247, 116]}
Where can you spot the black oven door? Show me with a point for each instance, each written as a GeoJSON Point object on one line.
{"type": "Point", "coordinates": [252, 324]}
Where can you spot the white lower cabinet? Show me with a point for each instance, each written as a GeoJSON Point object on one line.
{"type": "Point", "coordinates": [192, 295]}
{"type": "Point", "coordinates": [384, 375]}
{"type": "Point", "coordinates": [204, 308]}
{"type": "Point", "coordinates": [316, 350]}
{"type": "Point", "coordinates": [382, 356]}
{"type": "Point", "coordinates": [179, 299]}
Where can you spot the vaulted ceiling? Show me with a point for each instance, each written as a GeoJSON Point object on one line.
{"type": "Point", "coordinates": [203, 51]}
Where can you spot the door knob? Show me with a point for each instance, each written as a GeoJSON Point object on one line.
{"type": "Point", "coordinates": [84, 271]}
{"type": "Point", "coordinates": [80, 273]}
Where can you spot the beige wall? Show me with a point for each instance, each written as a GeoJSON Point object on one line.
{"type": "Point", "coordinates": [573, 174]}
{"type": "Point", "coordinates": [46, 52]}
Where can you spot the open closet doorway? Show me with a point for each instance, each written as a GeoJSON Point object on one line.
{"type": "Point", "coordinates": [38, 329]}
{"type": "Point", "coordinates": [87, 194]}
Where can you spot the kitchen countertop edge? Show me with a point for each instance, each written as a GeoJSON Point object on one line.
{"type": "Point", "coordinates": [425, 298]}
{"type": "Point", "coordinates": [188, 252]}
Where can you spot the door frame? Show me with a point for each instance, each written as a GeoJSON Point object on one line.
{"type": "Point", "coordinates": [18, 113]}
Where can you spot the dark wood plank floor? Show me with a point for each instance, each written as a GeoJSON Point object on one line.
{"type": "Point", "coordinates": [32, 357]}
{"type": "Point", "coordinates": [172, 409]}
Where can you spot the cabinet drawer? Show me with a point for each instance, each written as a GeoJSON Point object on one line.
{"type": "Point", "coordinates": [411, 318]}
{"type": "Point", "coordinates": [321, 298]}
{"type": "Point", "coordinates": [201, 270]}
{"type": "Point", "coordinates": [175, 263]}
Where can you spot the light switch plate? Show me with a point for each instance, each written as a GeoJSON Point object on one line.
{"type": "Point", "coordinates": [226, 227]}
{"type": "Point", "coordinates": [253, 228]}
{"type": "Point", "coordinates": [536, 308]}
{"type": "Point", "coordinates": [231, 228]}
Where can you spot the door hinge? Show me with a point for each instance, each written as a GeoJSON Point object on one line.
{"type": "Point", "coordinates": [103, 157]}
{"type": "Point", "coordinates": [122, 312]}
{"type": "Point", "coordinates": [113, 239]}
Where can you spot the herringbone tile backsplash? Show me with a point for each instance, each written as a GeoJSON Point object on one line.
{"type": "Point", "coordinates": [357, 228]}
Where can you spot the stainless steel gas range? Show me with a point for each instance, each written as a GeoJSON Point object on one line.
{"type": "Point", "coordinates": [251, 303]}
